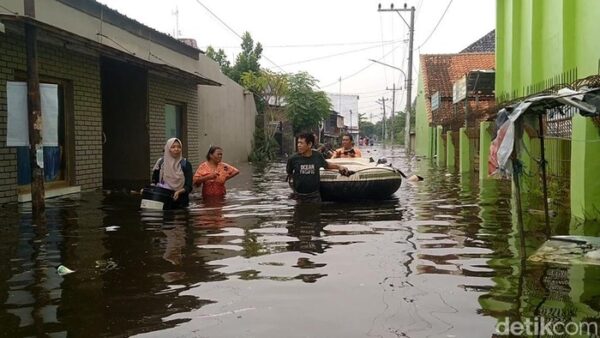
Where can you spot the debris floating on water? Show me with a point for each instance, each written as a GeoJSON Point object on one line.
{"type": "Point", "coordinates": [63, 270]}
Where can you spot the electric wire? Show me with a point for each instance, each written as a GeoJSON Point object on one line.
{"type": "Point", "coordinates": [436, 25]}
{"type": "Point", "coordinates": [314, 45]}
{"type": "Point", "coordinates": [358, 71]}
{"type": "Point", "coordinates": [234, 32]}
{"type": "Point", "coordinates": [330, 55]}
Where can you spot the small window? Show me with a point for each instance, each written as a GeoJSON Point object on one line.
{"type": "Point", "coordinates": [173, 121]}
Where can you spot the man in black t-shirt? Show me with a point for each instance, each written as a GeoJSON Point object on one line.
{"type": "Point", "coordinates": [304, 167]}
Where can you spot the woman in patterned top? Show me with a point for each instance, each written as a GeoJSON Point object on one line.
{"type": "Point", "coordinates": [213, 173]}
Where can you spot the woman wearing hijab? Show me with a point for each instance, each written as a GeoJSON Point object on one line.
{"type": "Point", "coordinates": [213, 173]}
{"type": "Point", "coordinates": [174, 172]}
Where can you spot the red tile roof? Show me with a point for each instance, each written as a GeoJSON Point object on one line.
{"type": "Point", "coordinates": [440, 71]}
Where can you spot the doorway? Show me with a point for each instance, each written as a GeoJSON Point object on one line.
{"type": "Point", "coordinates": [125, 149]}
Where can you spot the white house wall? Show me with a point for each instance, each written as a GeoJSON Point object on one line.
{"type": "Point", "coordinates": [227, 114]}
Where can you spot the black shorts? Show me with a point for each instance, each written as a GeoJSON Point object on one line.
{"type": "Point", "coordinates": [312, 197]}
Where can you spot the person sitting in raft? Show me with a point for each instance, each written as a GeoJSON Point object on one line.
{"type": "Point", "coordinates": [213, 173]}
{"type": "Point", "coordinates": [303, 167]}
{"type": "Point", "coordinates": [174, 172]}
{"type": "Point", "coordinates": [347, 150]}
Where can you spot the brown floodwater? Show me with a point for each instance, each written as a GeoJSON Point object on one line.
{"type": "Point", "coordinates": [440, 259]}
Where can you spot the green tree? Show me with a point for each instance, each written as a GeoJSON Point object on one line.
{"type": "Point", "coordinates": [368, 129]}
{"type": "Point", "coordinates": [305, 106]}
{"type": "Point", "coordinates": [220, 58]}
{"type": "Point", "coordinates": [248, 60]}
{"type": "Point", "coordinates": [268, 88]}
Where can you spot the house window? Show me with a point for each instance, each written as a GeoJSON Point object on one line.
{"type": "Point", "coordinates": [173, 121]}
{"type": "Point", "coordinates": [53, 133]}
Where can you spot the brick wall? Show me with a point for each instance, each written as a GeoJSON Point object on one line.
{"type": "Point", "coordinates": [83, 72]}
{"type": "Point", "coordinates": [161, 91]}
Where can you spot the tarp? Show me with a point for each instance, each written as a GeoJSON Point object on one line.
{"type": "Point", "coordinates": [501, 149]}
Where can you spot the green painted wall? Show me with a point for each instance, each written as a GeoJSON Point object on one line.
{"type": "Point", "coordinates": [423, 132]}
{"type": "Point", "coordinates": [585, 166]}
{"type": "Point", "coordinates": [441, 146]}
{"type": "Point", "coordinates": [484, 148]}
{"type": "Point", "coordinates": [450, 150]}
{"type": "Point", "coordinates": [465, 156]}
{"type": "Point", "coordinates": [538, 40]}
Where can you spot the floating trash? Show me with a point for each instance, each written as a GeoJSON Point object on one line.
{"type": "Point", "coordinates": [106, 264]}
{"type": "Point", "coordinates": [112, 228]}
{"type": "Point", "coordinates": [63, 270]}
{"type": "Point", "coordinates": [572, 250]}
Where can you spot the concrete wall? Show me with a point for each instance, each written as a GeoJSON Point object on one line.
{"type": "Point", "coordinates": [539, 40]}
{"type": "Point", "coordinates": [96, 22]}
{"type": "Point", "coordinates": [227, 115]}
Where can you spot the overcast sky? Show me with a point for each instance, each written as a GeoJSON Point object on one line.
{"type": "Point", "coordinates": [327, 38]}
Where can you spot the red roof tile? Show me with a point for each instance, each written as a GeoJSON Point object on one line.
{"type": "Point", "coordinates": [440, 71]}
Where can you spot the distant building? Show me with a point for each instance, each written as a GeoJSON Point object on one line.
{"type": "Point", "coordinates": [332, 128]}
{"type": "Point", "coordinates": [455, 91]}
{"type": "Point", "coordinates": [347, 106]}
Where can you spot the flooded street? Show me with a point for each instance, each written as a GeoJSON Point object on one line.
{"type": "Point", "coordinates": [442, 259]}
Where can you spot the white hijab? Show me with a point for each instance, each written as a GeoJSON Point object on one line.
{"type": "Point", "coordinates": [171, 173]}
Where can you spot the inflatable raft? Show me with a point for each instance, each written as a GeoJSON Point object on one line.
{"type": "Point", "coordinates": [367, 181]}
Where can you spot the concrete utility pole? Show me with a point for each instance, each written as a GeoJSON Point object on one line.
{"type": "Point", "coordinates": [392, 114]}
{"type": "Point", "coordinates": [34, 109]}
{"type": "Point", "coordinates": [384, 132]}
{"type": "Point", "coordinates": [411, 28]}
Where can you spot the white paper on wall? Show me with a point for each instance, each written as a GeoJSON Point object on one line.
{"type": "Point", "coordinates": [17, 134]}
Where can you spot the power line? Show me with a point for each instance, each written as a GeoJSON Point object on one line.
{"type": "Point", "coordinates": [436, 25]}
{"type": "Point", "coordinates": [360, 70]}
{"type": "Point", "coordinates": [316, 45]}
{"type": "Point", "coordinates": [234, 32]}
{"type": "Point", "coordinates": [330, 55]}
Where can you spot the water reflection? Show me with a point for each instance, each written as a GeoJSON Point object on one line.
{"type": "Point", "coordinates": [442, 258]}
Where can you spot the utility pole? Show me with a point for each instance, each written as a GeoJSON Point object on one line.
{"type": "Point", "coordinates": [34, 110]}
{"type": "Point", "coordinates": [411, 28]}
{"type": "Point", "coordinates": [392, 114]}
{"type": "Point", "coordinates": [383, 126]}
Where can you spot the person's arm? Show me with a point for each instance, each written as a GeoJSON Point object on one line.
{"type": "Point", "coordinates": [329, 165]}
{"type": "Point", "coordinates": [155, 176]}
{"type": "Point", "coordinates": [187, 171]}
{"type": "Point", "coordinates": [203, 175]}
{"type": "Point", "coordinates": [335, 166]}
{"type": "Point", "coordinates": [289, 168]}
{"type": "Point", "coordinates": [231, 171]}
{"type": "Point", "coordinates": [357, 152]}
{"type": "Point", "coordinates": [187, 185]}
